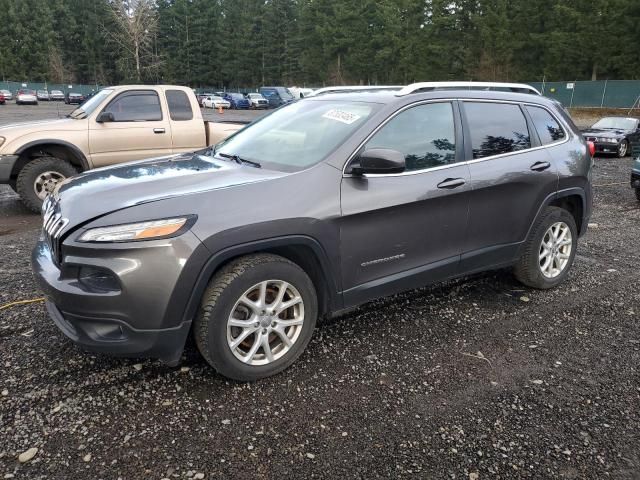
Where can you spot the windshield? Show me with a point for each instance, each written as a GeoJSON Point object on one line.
{"type": "Point", "coordinates": [90, 105]}
{"type": "Point", "coordinates": [298, 135]}
{"type": "Point", "coordinates": [236, 96]}
{"type": "Point", "coordinates": [617, 123]}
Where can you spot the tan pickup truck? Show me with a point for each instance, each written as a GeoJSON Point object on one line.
{"type": "Point", "coordinates": [117, 124]}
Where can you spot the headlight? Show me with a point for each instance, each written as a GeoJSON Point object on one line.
{"type": "Point", "coordinates": [150, 230]}
{"type": "Point", "coordinates": [611, 140]}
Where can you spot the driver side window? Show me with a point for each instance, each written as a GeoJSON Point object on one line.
{"type": "Point", "coordinates": [425, 134]}
{"type": "Point", "coordinates": [136, 106]}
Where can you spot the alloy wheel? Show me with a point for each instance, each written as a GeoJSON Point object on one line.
{"type": "Point", "coordinates": [46, 182]}
{"type": "Point", "coordinates": [555, 250]}
{"type": "Point", "coordinates": [265, 322]}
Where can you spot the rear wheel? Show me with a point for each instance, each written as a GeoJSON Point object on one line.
{"type": "Point", "coordinates": [549, 251]}
{"type": "Point", "coordinates": [638, 194]}
{"type": "Point", "coordinates": [39, 177]}
{"type": "Point", "coordinates": [257, 317]}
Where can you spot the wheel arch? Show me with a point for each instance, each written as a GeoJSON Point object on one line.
{"type": "Point", "coordinates": [304, 251]}
{"type": "Point", "coordinates": [49, 147]}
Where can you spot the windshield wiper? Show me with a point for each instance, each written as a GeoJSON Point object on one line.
{"type": "Point", "coordinates": [239, 159]}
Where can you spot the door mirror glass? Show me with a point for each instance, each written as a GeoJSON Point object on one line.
{"type": "Point", "coordinates": [379, 160]}
{"type": "Point", "coordinates": [105, 117]}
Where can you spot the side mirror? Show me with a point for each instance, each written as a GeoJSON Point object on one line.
{"type": "Point", "coordinates": [379, 160]}
{"type": "Point", "coordinates": [105, 117]}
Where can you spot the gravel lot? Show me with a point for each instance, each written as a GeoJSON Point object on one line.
{"type": "Point", "coordinates": [477, 378]}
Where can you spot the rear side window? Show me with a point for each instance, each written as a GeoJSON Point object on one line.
{"type": "Point", "coordinates": [179, 105]}
{"type": "Point", "coordinates": [424, 134]}
{"type": "Point", "coordinates": [136, 106]}
{"type": "Point", "coordinates": [547, 127]}
{"type": "Point", "coordinates": [496, 128]}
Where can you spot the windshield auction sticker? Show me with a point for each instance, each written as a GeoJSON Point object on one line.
{"type": "Point", "coordinates": [341, 116]}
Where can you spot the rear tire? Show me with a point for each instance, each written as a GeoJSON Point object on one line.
{"type": "Point", "coordinates": [638, 194]}
{"type": "Point", "coordinates": [543, 252]}
{"type": "Point", "coordinates": [223, 309]}
{"type": "Point", "coordinates": [36, 171]}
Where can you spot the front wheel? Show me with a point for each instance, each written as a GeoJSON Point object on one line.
{"type": "Point", "coordinates": [549, 251]}
{"type": "Point", "coordinates": [39, 177]}
{"type": "Point", "coordinates": [257, 317]}
{"type": "Point", "coordinates": [623, 148]}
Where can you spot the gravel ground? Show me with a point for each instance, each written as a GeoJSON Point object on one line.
{"type": "Point", "coordinates": [477, 378]}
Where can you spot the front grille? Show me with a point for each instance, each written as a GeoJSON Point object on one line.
{"type": "Point", "coordinates": [53, 225]}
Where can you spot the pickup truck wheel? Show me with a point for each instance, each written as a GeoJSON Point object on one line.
{"type": "Point", "coordinates": [549, 251]}
{"type": "Point", "coordinates": [256, 318]}
{"type": "Point", "coordinates": [39, 177]}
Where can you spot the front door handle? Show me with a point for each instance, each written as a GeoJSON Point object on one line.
{"type": "Point", "coordinates": [451, 183]}
{"type": "Point", "coordinates": [158, 130]}
{"type": "Point", "coordinates": [540, 166]}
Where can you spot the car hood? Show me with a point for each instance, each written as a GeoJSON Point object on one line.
{"type": "Point", "coordinates": [15, 130]}
{"type": "Point", "coordinates": [605, 132]}
{"type": "Point", "coordinates": [105, 190]}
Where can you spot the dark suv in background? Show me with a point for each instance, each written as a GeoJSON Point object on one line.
{"type": "Point", "coordinates": [323, 205]}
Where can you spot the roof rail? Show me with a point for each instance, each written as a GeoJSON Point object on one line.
{"type": "Point", "coordinates": [515, 87]}
{"type": "Point", "coordinates": [353, 88]}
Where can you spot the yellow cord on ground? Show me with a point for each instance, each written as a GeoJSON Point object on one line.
{"type": "Point", "coordinates": [21, 302]}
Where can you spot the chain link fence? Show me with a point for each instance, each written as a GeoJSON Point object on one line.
{"type": "Point", "coordinates": [598, 94]}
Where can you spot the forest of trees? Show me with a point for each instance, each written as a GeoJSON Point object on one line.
{"type": "Point", "coordinates": [247, 43]}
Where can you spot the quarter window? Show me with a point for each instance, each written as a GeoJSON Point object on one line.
{"type": "Point", "coordinates": [424, 134]}
{"type": "Point", "coordinates": [547, 127]}
{"type": "Point", "coordinates": [496, 128]}
{"type": "Point", "coordinates": [136, 106]}
{"type": "Point", "coordinates": [179, 105]}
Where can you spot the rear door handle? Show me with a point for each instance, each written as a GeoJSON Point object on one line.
{"type": "Point", "coordinates": [540, 166]}
{"type": "Point", "coordinates": [451, 183]}
{"type": "Point", "coordinates": [158, 130]}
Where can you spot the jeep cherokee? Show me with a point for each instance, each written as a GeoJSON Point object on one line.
{"type": "Point", "coordinates": [324, 204]}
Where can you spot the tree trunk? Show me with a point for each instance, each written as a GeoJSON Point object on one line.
{"type": "Point", "coordinates": [594, 72]}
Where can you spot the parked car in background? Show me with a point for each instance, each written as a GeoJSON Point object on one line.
{"type": "Point", "coordinates": [257, 101]}
{"type": "Point", "coordinates": [73, 98]}
{"type": "Point", "coordinates": [635, 169]}
{"type": "Point", "coordinates": [276, 96]}
{"type": "Point", "coordinates": [237, 101]}
{"type": "Point", "coordinates": [56, 95]}
{"type": "Point", "coordinates": [25, 96]}
{"type": "Point", "coordinates": [2, 99]}
{"type": "Point", "coordinates": [7, 94]}
{"type": "Point", "coordinates": [118, 124]}
{"type": "Point", "coordinates": [613, 135]}
{"type": "Point", "coordinates": [324, 205]}
{"type": "Point", "coordinates": [213, 101]}
{"type": "Point", "coordinates": [202, 96]}
{"type": "Point", "coordinates": [42, 95]}
{"type": "Point", "coordinates": [299, 92]}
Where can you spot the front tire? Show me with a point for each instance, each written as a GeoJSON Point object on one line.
{"type": "Point", "coordinates": [39, 177]}
{"type": "Point", "coordinates": [256, 317]}
{"type": "Point", "coordinates": [549, 251]}
{"type": "Point", "coordinates": [623, 148]}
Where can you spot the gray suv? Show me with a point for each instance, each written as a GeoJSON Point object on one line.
{"type": "Point", "coordinates": [324, 204]}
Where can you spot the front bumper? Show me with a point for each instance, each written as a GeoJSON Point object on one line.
{"type": "Point", "coordinates": [609, 148]}
{"type": "Point", "coordinates": [6, 167]}
{"type": "Point", "coordinates": [143, 315]}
